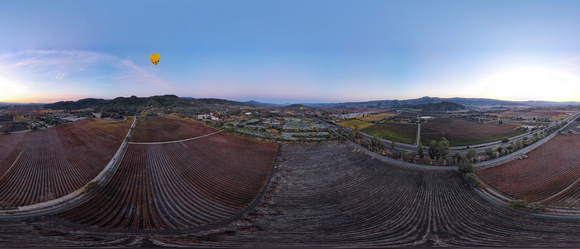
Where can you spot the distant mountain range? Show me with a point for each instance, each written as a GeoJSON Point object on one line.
{"type": "Point", "coordinates": [379, 104]}
{"type": "Point", "coordinates": [444, 106]}
{"type": "Point", "coordinates": [171, 101]}
{"type": "Point", "coordinates": [165, 101]}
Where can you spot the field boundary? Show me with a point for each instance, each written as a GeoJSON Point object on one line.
{"type": "Point", "coordinates": [13, 163]}
{"type": "Point", "coordinates": [178, 141]}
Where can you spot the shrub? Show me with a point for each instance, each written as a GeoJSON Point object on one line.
{"type": "Point", "coordinates": [474, 180]}
{"type": "Point", "coordinates": [535, 207]}
{"type": "Point", "coordinates": [465, 167]}
{"type": "Point", "coordinates": [518, 204]}
{"type": "Point", "coordinates": [91, 187]}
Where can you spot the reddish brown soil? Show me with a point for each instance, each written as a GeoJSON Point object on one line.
{"type": "Point", "coordinates": [548, 170]}
{"type": "Point", "coordinates": [461, 131]}
{"type": "Point", "coordinates": [55, 161]}
{"type": "Point", "coordinates": [159, 129]}
{"type": "Point", "coordinates": [180, 185]}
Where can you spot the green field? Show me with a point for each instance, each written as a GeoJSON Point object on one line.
{"type": "Point", "coordinates": [379, 117]}
{"type": "Point", "coordinates": [462, 132]}
{"type": "Point", "coordinates": [352, 123]}
{"type": "Point", "coordinates": [398, 132]}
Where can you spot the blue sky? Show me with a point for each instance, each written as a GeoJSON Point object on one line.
{"type": "Point", "coordinates": [290, 51]}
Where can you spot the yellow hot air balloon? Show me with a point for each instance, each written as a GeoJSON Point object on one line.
{"type": "Point", "coordinates": [155, 59]}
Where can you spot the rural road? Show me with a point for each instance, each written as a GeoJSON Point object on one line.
{"type": "Point", "coordinates": [418, 135]}
{"type": "Point", "coordinates": [480, 148]}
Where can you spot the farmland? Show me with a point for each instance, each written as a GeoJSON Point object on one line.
{"type": "Point", "coordinates": [549, 169]}
{"type": "Point", "coordinates": [329, 194]}
{"type": "Point", "coordinates": [355, 123]}
{"type": "Point", "coordinates": [159, 129]}
{"type": "Point", "coordinates": [364, 202]}
{"type": "Point", "coordinates": [378, 117]}
{"type": "Point", "coordinates": [461, 132]}
{"type": "Point", "coordinates": [531, 113]}
{"type": "Point", "coordinates": [46, 164]}
{"type": "Point", "coordinates": [558, 117]}
{"type": "Point", "coordinates": [180, 184]}
{"type": "Point", "coordinates": [399, 132]}
{"type": "Point", "coordinates": [300, 125]}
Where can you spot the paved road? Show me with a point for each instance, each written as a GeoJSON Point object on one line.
{"type": "Point", "coordinates": [418, 135]}
{"type": "Point", "coordinates": [480, 148]}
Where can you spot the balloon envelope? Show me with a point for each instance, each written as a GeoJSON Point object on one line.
{"type": "Point", "coordinates": [155, 58]}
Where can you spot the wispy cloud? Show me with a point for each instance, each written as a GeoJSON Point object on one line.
{"type": "Point", "coordinates": [74, 72]}
{"type": "Point", "coordinates": [573, 63]}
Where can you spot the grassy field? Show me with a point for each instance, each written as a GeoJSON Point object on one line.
{"type": "Point", "coordinates": [403, 133]}
{"type": "Point", "coordinates": [561, 116]}
{"type": "Point", "coordinates": [462, 132]}
{"type": "Point", "coordinates": [352, 123]}
{"type": "Point", "coordinates": [379, 117]}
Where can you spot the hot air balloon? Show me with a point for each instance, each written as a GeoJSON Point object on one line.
{"type": "Point", "coordinates": [155, 59]}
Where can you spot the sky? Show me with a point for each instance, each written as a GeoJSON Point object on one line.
{"type": "Point", "coordinates": [290, 51]}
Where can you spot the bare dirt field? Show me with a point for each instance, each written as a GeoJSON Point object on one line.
{"type": "Point", "coordinates": [461, 132]}
{"type": "Point", "coordinates": [159, 129]}
{"type": "Point", "coordinates": [179, 185]}
{"type": "Point", "coordinates": [332, 195]}
{"type": "Point", "coordinates": [41, 165]}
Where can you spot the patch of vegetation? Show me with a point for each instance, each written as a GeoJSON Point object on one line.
{"type": "Point", "coordinates": [91, 187]}
{"type": "Point", "coordinates": [355, 124]}
{"type": "Point", "coordinates": [402, 133]}
{"type": "Point", "coordinates": [534, 207]}
{"type": "Point", "coordinates": [379, 117]}
{"type": "Point", "coordinates": [561, 116]}
{"type": "Point", "coordinates": [474, 180]}
{"type": "Point", "coordinates": [438, 149]}
{"type": "Point", "coordinates": [465, 168]}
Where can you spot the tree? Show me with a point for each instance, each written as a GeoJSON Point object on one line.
{"type": "Point", "coordinates": [393, 144]}
{"type": "Point", "coordinates": [465, 167]}
{"type": "Point", "coordinates": [443, 147]}
{"type": "Point", "coordinates": [457, 157]}
{"type": "Point", "coordinates": [353, 134]}
{"type": "Point", "coordinates": [471, 154]}
{"type": "Point", "coordinates": [409, 156]}
{"type": "Point", "coordinates": [490, 152]}
{"type": "Point", "coordinates": [433, 149]}
{"type": "Point", "coordinates": [420, 151]}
